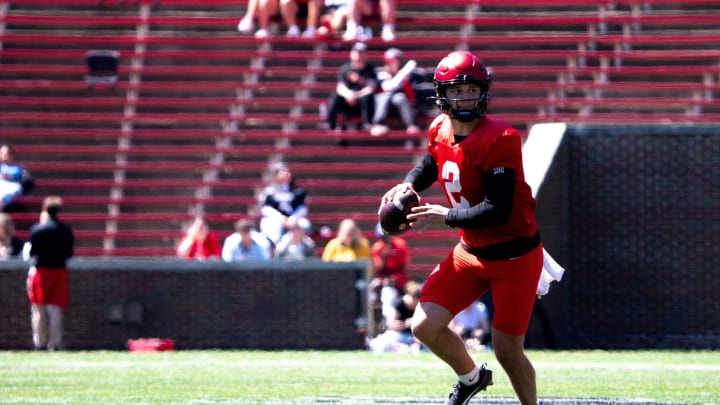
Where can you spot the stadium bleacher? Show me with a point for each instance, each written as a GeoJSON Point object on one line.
{"type": "Point", "coordinates": [200, 111]}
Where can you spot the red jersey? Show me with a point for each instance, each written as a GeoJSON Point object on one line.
{"type": "Point", "coordinates": [461, 167]}
{"type": "Point", "coordinates": [395, 260]}
{"type": "Point", "coordinates": [209, 249]}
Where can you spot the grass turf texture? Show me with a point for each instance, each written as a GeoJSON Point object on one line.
{"type": "Point", "coordinates": [289, 377]}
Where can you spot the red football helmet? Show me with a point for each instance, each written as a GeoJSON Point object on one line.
{"type": "Point", "coordinates": [461, 68]}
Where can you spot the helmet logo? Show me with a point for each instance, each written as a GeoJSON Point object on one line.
{"type": "Point", "coordinates": [464, 78]}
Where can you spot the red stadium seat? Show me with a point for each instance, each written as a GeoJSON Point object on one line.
{"type": "Point", "coordinates": [199, 111]}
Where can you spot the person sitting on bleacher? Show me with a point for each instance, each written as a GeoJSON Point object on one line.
{"type": "Point", "coordinates": [356, 85]}
{"type": "Point", "coordinates": [263, 11]}
{"type": "Point", "coordinates": [472, 324]}
{"type": "Point", "coordinates": [290, 10]}
{"type": "Point", "coordinates": [348, 245]}
{"type": "Point", "coordinates": [398, 337]}
{"type": "Point", "coordinates": [10, 245]}
{"type": "Point", "coordinates": [368, 8]}
{"type": "Point", "coordinates": [333, 18]}
{"type": "Point", "coordinates": [310, 10]}
{"type": "Point", "coordinates": [14, 180]}
{"type": "Point", "coordinates": [199, 243]}
{"type": "Point", "coordinates": [246, 244]}
{"type": "Point", "coordinates": [282, 204]}
{"type": "Point", "coordinates": [296, 244]}
{"type": "Point", "coordinates": [396, 90]}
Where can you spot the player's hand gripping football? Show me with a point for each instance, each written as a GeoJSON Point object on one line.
{"type": "Point", "coordinates": [428, 216]}
{"type": "Point", "coordinates": [390, 194]}
{"type": "Point", "coordinates": [392, 214]}
{"type": "Point", "coordinates": [422, 217]}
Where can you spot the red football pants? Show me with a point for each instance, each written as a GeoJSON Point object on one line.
{"type": "Point", "coordinates": [461, 278]}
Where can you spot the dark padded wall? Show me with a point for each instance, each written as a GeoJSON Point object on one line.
{"type": "Point", "coordinates": [640, 238]}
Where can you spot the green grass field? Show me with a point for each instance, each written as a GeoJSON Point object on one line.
{"type": "Point", "coordinates": [307, 377]}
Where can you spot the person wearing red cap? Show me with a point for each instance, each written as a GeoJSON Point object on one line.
{"type": "Point", "coordinates": [396, 90]}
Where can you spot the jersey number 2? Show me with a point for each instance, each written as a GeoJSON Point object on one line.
{"type": "Point", "coordinates": [451, 185]}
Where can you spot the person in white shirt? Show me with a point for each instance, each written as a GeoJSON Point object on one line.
{"type": "Point", "coordinates": [282, 203]}
{"type": "Point", "coordinates": [295, 244]}
{"type": "Point", "coordinates": [473, 325]}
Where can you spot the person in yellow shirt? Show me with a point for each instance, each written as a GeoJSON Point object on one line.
{"type": "Point", "coordinates": [349, 244]}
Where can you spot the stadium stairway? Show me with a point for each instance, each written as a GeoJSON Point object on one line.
{"type": "Point", "coordinates": [200, 112]}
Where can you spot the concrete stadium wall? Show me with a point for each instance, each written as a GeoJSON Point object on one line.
{"type": "Point", "coordinates": [309, 305]}
{"type": "Point", "coordinates": [633, 213]}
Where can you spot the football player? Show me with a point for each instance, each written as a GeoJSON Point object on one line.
{"type": "Point", "coordinates": [478, 163]}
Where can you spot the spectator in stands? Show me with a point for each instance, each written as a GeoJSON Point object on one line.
{"type": "Point", "coordinates": [308, 9]}
{"type": "Point", "coordinates": [356, 85]}
{"type": "Point", "coordinates": [396, 90]}
{"type": "Point", "coordinates": [199, 243]}
{"type": "Point", "coordinates": [349, 244]}
{"type": "Point", "coordinates": [247, 23]}
{"type": "Point", "coordinates": [282, 204]}
{"type": "Point", "coordinates": [50, 245]}
{"type": "Point", "coordinates": [265, 10]}
{"type": "Point", "coordinates": [246, 244]}
{"type": "Point", "coordinates": [398, 335]}
{"type": "Point", "coordinates": [14, 180]}
{"type": "Point", "coordinates": [390, 259]}
{"type": "Point", "coordinates": [10, 245]}
{"type": "Point", "coordinates": [333, 17]}
{"type": "Point", "coordinates": [473, 325]}
{"type": "Point", "coordinates": [296, 244]}
{"type": "Point", "coordinates": [368, 8]}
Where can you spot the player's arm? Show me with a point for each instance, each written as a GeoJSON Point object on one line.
{"type": "Point", "coordinates": [424, 174]}
{"type": "Point", "coordinates": [417, 179]}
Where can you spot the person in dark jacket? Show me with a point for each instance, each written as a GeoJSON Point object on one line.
{"type": "Point", "coordinates": [50, 245]}
{"type": "Point", "coordinates": [354, 90]}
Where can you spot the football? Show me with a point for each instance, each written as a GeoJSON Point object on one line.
{"type": "Point", "coordinates": [393, 214]}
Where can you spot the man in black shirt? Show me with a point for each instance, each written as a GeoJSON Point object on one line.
{"type": "Point", "coordinates": [355, 89]}
{"type": "Point", "coordinates": [50, 245]}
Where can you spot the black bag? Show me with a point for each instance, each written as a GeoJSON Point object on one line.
{"type": "Point", "coordinates": [26, 181]}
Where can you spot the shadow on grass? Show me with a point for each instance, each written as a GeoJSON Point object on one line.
{"type": "Point", "coordinates": [477, 400]}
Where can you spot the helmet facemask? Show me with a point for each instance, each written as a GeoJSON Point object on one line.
{"type": "Point", "coordinates": [462, 109]}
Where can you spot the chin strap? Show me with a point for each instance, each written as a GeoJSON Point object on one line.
{"type": "Point", "coordinates": [465, 115]}
{"type": "Point", "coordinates": [445, 105]}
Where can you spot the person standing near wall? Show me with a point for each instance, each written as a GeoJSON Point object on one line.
{"type": "Point", "coordinates": [50, 245]}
